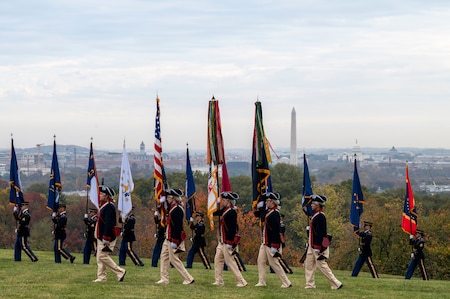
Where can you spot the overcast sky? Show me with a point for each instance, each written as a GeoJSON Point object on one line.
{"type": "Point", "coordinates": [373, 71]}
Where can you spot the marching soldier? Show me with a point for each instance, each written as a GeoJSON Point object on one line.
{"type": "Point", "coordinates": [198, 242]}
{"type": "Point", "coordinates": [159, 236]}
{"type": "Point", "coordinates": [271, 243]}
{"type": "Point", "coordinates": [280, 258]}
{"type": "Point", "coordinates": [228, 239]}
{"type": "Point", "coordinates": [417, 256]}
{"type": "Point", "coordinates": [128, 237]}
{"type": "Point", "coordinates": [90, 246]}
{"type": "Point", "coordinates": [106, 236]}
{"type": "Point", "coordinates": [365, 251]}
{"type": "Point", "coordinates": [174, 242]}
{"type": "Point", "coordinates": [60, 221]}
{"type": "Point", "coordinates": [23, 217]}
{"type": "Point", "coordinates": [318, 250]}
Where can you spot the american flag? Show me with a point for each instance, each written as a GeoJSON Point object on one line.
{"type": "Point", "coordinates": [158, 163]}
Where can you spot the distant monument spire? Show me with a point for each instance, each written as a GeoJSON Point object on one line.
{"type": "Point", "coordinates": [293, 158]}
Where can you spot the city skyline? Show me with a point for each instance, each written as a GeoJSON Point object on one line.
{"type": "Point", "coordinates": [376, 72]}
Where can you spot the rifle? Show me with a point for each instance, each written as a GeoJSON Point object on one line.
{"type": "Point", "coordinates": [303, 258]}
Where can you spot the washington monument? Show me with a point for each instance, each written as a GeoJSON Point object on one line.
{"type": "Point", "coordinates": [293, 158]}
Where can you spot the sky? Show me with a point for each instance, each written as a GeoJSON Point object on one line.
{"type": "Point", "coordinates": [372, 72]}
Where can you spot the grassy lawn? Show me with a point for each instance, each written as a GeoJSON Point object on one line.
{"type": "Point", "coordinates": [45, 279]}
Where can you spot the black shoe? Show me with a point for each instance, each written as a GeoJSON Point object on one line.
{"type": "Point", "coordinates": [340, 287]}
{"type": "Point", "coordinates": [35, 260]}
{"type": "Point", "coordinates": [123, 276]}
{"type": "Point", "coordinates": [72, 258]}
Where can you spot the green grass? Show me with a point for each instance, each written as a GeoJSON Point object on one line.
{"type": "Point", "coordinates": [45, 279]}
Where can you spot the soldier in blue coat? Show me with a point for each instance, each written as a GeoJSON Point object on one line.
{"type": "Point", "coordinates": [417, 256]}
{"type": "Point", "coordinates": [198, 242]}
{"type": "Point", "coordinates": [90, 246]}
{"type": "Point", "coordinates": [128, 237]}
{"type": "Point", "coordinates": [23, 218]}
{"type": "Point", "coordinates": [365, 251]}
{"type": "Point", "coordinates": [60, 221]}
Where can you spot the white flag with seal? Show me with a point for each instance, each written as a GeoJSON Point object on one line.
{"type": "Point", "coordinates": [126, 186]}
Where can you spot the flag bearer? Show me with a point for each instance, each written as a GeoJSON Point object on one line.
{"type": "Point", "coordinates": [365, 251]}
{"type": "Point", "coordinates": [417, 256]}
{"type": "Point", "coordinates": [198, 242]}
{"type": "Point", "coordinates": [23, 217]}
{"type": "Point", "coordinates": [128, 237]}
{"type": "Point", "coordinates": [60, 221]}
{"type": "Point", "coordinates": [90, 246]}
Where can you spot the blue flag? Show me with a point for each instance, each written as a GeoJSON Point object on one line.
{"type": "Point", "coordinates": [306, 190]}
{"type": "Point", "coordinates": [92, 180]}
{"type": "Point", "coordinates": [15, 193]}
{"type": "Point", "coordinates": [356, 206]}
{"type": "Point", "coordinates": [54, 186]}
{"type": "Point", "coordinates": [190, 188]}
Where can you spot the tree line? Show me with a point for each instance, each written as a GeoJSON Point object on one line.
{"type": "Point", "coordinates": [390, 245]}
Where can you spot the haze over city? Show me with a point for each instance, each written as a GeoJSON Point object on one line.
{"type": "Point", "coordinates": [375, 72]}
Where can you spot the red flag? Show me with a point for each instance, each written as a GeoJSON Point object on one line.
{"type": "Point", "coordinates": [409, 216]}
{"type": "Point", "coordinates": [226, 186]}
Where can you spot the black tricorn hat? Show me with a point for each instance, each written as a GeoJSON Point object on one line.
{"type": "Point", "coordinates": [24, 203]}
{"type": "Point", "coordinates": [229, 195]}
{"type": "Point", "coordinates": [419, 231]}
{"type": "Point", "coordinates": [321, 199]}
{"type": "Point", "coordinates": [201, 214]}
{"type": "Point", "coordinates": [108, 191]}
{"type": "Point", "coordinates": [271, 195]}
{"type": "Point", "coordinates": [93, 210]}
{"type": "Point", "coordinates": [174, 192]}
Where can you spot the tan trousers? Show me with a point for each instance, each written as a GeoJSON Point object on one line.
{"type": "Point", "coordinates": [311, 264]}
{"type": "Point", "coordinates": [264, 257]}
{"type": "Point", "coordinates": [223, 255]}
{"type": "Point", "coordinates": [168, 256]}
{"type": "Point", "coordinates": [104, 261]}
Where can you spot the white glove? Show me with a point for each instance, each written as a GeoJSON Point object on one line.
{"type": "Point", "coordinates": [53, 214]}
{"type": "Point", "coordinates": [359, 249]}
{"type": "Point", "coordinates": [156, 214]}
{"type": "Point", "coordinates": [273, 250]}
{"type": "Point", "coordinates": [121, 234]}
{"type": "Point", "coordinates": [412, 255]}
{"type": "Point", "coordinates": [229, 246]}
{"type": "Point", "coordinates": [53, 232]}
{"type": "Point", "coordinates": [411, 237]}
{"type": "Point", "coordinates": [192, 240]}
{"type": "Point", "coordinates": [155, 236]}
{"type": "Point", "coordinates": [191, 219]}
{"type": "Point", "coordinates": [162, 199]}
{"type": "Point", "coordinates": [86, 216]}
{"type": "Point", "coordinates": [260, 204]}
{"type": "Point", "coordinates": [106, 243]}
{"type": "Point", "coordinates": [15, 209]}
{"type": "Point", "coordinates": [15, 230]}
{"type": "Point", "coordinates": [173, 245]}
{"type": "Point", "coordinates": [317, 251]}
{"type": "Point", "coordinates": [307, 228]}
